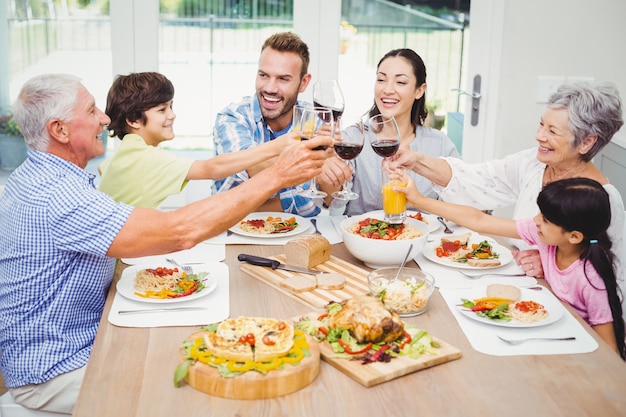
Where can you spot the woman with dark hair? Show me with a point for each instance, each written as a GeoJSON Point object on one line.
{"type": "Point", "coordinates": [570, 233]}
{"type": "Point", "coordinates": [400, 91]}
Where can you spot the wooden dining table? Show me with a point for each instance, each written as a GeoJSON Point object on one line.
{"type": "Point", "coordinates": [131, 371]}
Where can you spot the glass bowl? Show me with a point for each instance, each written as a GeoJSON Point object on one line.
{"type": "Point", "coordinates": [408, 295]}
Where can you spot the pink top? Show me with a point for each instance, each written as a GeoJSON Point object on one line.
{"type": "Point", "coordinates": [570, 284]}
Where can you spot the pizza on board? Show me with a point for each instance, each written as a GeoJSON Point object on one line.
{"type": "Point", "coordinates": [245, 339]}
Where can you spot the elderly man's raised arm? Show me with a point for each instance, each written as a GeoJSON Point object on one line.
{"type": "Point", "coordinates": [151, 231]}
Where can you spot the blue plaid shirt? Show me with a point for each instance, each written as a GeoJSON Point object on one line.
{"type": "Point", "coordinates": [241, 126]}
{"type": "Point", "coordinates": [54, 273]}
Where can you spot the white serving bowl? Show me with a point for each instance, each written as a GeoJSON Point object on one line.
{"type": "Point", "coordinates": [407, 293]}
{"type": "Point", "coordinates": [377, 253]}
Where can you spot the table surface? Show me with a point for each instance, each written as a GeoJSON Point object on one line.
{"type": "Point", "coordinates": [130, 372]}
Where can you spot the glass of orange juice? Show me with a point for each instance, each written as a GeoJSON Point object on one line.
{"type": "Point", "coordinates": [394, 203]}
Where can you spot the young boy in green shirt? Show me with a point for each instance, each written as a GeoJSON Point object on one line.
{"type": "Point", "coordinates": [140, 173]}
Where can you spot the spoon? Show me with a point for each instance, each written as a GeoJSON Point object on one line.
{"type": "Point", "coordinates": [403, 262]}
{"type": "Point", "coordinates": [447, 229]}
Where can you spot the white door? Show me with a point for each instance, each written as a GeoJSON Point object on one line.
{"type": "Point", "coordinates": [485, 46]}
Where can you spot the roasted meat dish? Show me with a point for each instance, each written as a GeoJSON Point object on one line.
{"type": "Point", "coordinates": [367, 320]}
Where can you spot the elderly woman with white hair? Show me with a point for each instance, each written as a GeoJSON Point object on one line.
{"type": "Point", "coordinates": [580, 119]}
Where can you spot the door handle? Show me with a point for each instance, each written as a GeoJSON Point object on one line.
{"type": "Point", "coordinates": [476, 96]}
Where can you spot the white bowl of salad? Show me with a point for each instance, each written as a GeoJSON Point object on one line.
{"type": "Point", "coordinates": [408, 294]}
{"type": "Point", "coordinates": [378, 244]}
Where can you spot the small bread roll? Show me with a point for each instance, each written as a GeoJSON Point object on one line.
{"type": "Point", "coordinates": [307, 251]}
{"type": "Point", "coordinates": [509, 292]}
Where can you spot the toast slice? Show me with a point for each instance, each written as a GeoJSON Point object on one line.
{"type": "Point", "coordinates": [483, 263]}
{"type": "Point", "coordinates": [299, 283]}
{"type": "Point", "coordinates": [331, 281]}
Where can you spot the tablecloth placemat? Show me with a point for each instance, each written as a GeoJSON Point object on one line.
{"type": "Point", "coordinates": [217, 305]}
{"type": "Point", "coordinates": [202, 252]}
{"type": "Point", "coordinates": [483, 337]}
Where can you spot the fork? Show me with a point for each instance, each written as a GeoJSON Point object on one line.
{"type": "Point", "coordinates": [314, 221]}
{"type": "Point", "coordinates": [500, 274]}
{"type": "Point", "coordinates": [186, 268]}
{"type": "Point", "coordinates": [520, 341]}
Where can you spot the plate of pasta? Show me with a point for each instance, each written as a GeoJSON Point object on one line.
{"type": "Point", "coordinates": [531, 309]}
{"type": "Point", "coordinates": [161, 284]}
{"type": "Point", "coordinates": [270, 225]}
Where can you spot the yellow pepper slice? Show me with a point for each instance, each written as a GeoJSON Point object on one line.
{"type": "Point", "coordinates": [240, 366]}
{"type": "Point", "coordinates": [268, 366]}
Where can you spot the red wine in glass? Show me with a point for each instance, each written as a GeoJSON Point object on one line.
{"type": "Point", "coordinates": [386, 147]}
{"type": "Point", "coordinates": [317, 148]}
{"type": "Point", "coordinates": [337, 112]}
{"type": "Point", "coordinates": [347, 151]}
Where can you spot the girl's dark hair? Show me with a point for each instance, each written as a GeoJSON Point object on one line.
{"type": "Point", "coordinates": [418, 111]}
{"type": "Point", "coordinates": [583, 204]}
{"type": "Point", "coordinates": [131, 95]}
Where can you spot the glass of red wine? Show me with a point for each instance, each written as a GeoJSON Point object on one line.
{"type": "Point", "coordinates": [327, 93]}
{"type": "Point", "coordinates": [386, 138]}
{"type": "Point", "coordinates": [314, 121]}
{"type": "Point", "coordinates": [347, 147]}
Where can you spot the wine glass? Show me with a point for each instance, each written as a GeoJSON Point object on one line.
{"type": "Point", "coordinates": [327, 93]}
{"type": "Point", "coordinates": [385, 141]}
{"type": "Point", "coordinates": [347, 147]}
{"type": "Point", "coordinates": [315, 120]}
{"type": "Point", "coordinates": [386, 138]}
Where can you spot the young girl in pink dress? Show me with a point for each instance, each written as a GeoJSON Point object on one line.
{"type": "Point", "coordinates": [570, 232]}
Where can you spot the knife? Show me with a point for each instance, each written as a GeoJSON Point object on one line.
{"type": "Point", "coordinates": [160, 310]}
{"type": "Point", "coordinates": [274, 264]}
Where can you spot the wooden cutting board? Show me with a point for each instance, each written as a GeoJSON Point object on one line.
{"type": "Point", "coordinates": [254, 385]}
{"type": "Point", "coordinates": [356, 281]}
{"type": "Point", "coordinates": [379, 372]}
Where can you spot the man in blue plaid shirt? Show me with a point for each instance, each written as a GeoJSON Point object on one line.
{"type": "Point", "coordinates": [281, 76]}
{"type": "Point", "coordinates": [60, 237]}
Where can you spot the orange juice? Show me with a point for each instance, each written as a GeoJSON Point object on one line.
{"type": "Point", "coordinates": [394, 203]}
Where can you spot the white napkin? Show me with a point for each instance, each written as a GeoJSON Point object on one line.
{"type": "Point", "coordinates": [325, 225]}
{"type": "Point", "coordinates": [483, 337]}
{"type": "Point", "coordinates": [217, 305]}
{"type": "Point", "coordinates": [202, 252]}
{"type": "Point", "coordinates": [446, 277]}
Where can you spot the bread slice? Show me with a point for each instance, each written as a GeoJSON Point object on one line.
{"type": "Point", "coordinates": [509, 292]}
{"type": "Point", "coordinates": [483, 263]}
{"type": "Point", "coordinates": [331, 281]}
{"type": "Point", "coordinates": [299, 283]}
{"type": "Point", "coordinates": [463, 239]}
{"type": "Point", "coordinates": [307, 251]}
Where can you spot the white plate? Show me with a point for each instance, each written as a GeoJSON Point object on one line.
{"type": "Point", "coordinates": [126, 285]}
{"type": "Point", "coordinates": [545, 297]}
{"type": "Point", "coordinates": [303, 225]}
{"type": "Point", "coordinates": [430, 252]}
{"type": "Point", "coordinates": [431, 220]}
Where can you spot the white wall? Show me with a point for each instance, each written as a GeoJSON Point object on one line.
{"type": "Point", "coordinates": [555, 38]}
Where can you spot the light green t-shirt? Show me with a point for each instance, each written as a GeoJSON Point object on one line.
{"type": "Point", "coordinates": [142, 175]}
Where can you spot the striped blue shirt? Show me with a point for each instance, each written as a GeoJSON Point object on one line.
{"type": "Point", "coordinates": [54, 273]}
{"type": "Point", "coordinates": [241, 126]}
